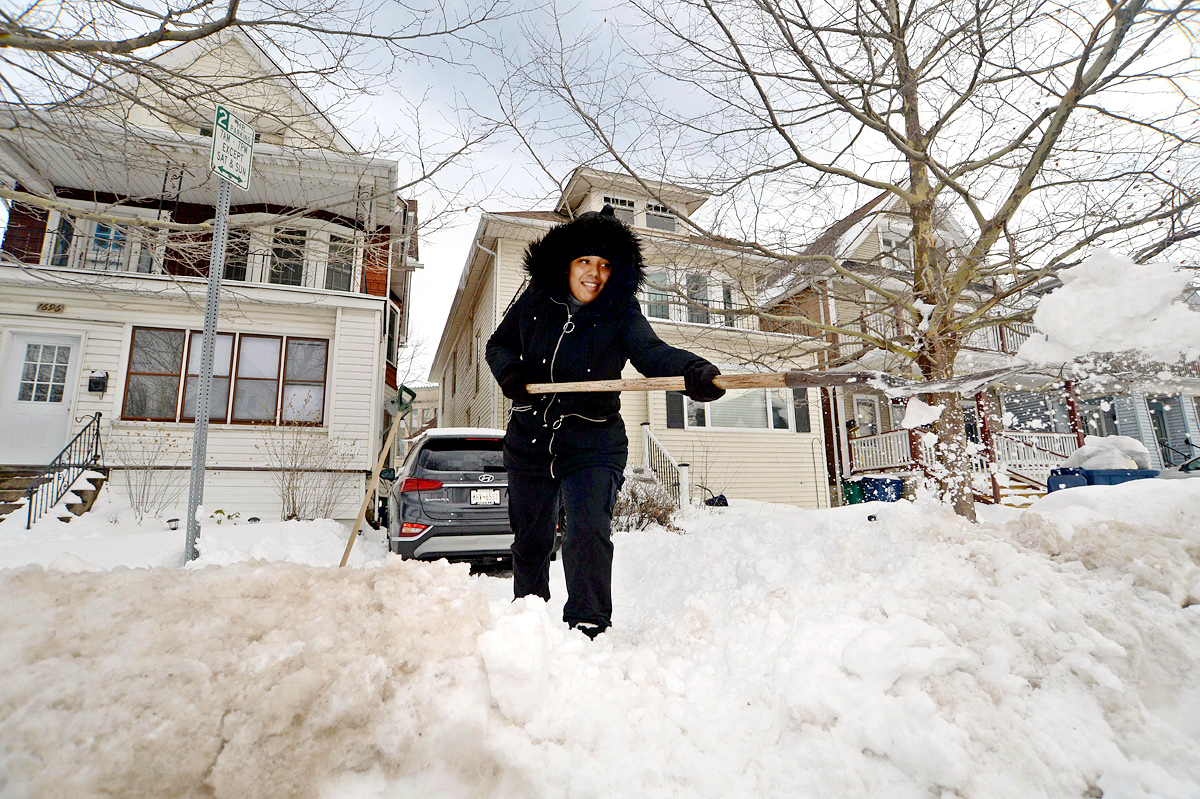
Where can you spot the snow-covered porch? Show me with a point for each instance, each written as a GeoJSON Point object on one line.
{"type": "Point", "coordinates": [1021, 457]}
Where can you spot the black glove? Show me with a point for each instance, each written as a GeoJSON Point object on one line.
{"type": "Point", "coordinates": [512, 385]}
{"type": "Point", "coordinates": [698, 382]}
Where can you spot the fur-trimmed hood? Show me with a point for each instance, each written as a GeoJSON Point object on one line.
{"type": "Point", "coordinates": [594, 233]}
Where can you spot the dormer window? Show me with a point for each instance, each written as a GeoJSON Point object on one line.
{"type": "Point", "coordinates": [659, 218]}
{"type": "Point", "coordinates": [625, 209]}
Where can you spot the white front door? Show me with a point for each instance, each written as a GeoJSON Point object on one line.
{"type": "Point", "coordinates": [35, 397]}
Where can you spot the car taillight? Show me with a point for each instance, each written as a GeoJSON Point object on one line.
{"type": "Point", "coordinates": [417, 484]}
{"type": "Point", "coordinates": [409, 530]}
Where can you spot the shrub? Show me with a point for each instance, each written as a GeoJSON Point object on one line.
{"type": "Point", "coordinates": [643, 502]}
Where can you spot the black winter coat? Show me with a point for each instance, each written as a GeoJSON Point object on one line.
{"type": "Point", "coordinates": [559, 433]}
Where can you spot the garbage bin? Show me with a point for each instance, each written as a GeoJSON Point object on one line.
{"type": "Point", "coordinates": [1065, 478]}
{"type": "Point", "coordinates": [1111, 477]}
{"type": "Point", "coordinates": [882, 489]}
{"type": "Point", "coordinates": [852, 493]}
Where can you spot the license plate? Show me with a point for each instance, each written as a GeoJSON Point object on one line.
{"type": "Point", "coordinates": [485, 496]}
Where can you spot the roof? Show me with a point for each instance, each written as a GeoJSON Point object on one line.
{"type": "Point", "coordinates": [585, 180]}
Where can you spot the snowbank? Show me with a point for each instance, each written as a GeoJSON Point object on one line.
{"type": "Point", "coordinates": [765, 652]}
{"type": "Point", "coordinates": [1110, 304]}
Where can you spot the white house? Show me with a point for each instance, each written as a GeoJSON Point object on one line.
{"type": "Point", "coordinates": [763, 444]}
{"type": "Point", "coordinates": [103, 278]}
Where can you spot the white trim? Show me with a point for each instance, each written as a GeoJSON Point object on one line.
{"type": "Point", "coordinates": [788, 405]}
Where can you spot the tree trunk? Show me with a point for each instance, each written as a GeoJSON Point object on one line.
{"type": "Point", "coordinates": [951, 466]}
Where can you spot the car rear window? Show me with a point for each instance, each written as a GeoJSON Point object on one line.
{"type": "Point", "coordinates": [462, 455]}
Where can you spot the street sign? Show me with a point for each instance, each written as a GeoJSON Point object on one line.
{"type": "Point", "coordinates": [232, 148]}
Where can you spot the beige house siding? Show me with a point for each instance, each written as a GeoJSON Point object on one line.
{"type": "Point", "coordinates": [353, 378]}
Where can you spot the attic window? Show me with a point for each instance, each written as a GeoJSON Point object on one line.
{"type": "Point", "coordinates": [659, 218]}
{"type": "Point", "coordinates": [896, 248]}
{"type": "Point", "coordinates": [625, 208]}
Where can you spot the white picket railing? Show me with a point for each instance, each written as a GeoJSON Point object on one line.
{"type": "Point", "coordinates": [1033, 454]}
{"type": "Point", "coordinates": [1034, 449]}
{"type": "Point", "coordinates": [669, 473]}
{"type": "Point", "coordinates": [884, 451]}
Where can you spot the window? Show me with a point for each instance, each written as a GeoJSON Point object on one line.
{"type": "Point", "coordinates": [237, 255]}
{"type": "Point", "coordinates": [697, 294]}
{"type": "Point", "coordinates": [657, 303]}
{"type": "Point", "coordinates": [218, 400]}
{"type": "Point", "coordinates": [246, 370]}
{"type": "Point", "coordinates": [866, 416]}
{"type": "Point", "coordinates": [152, 389]}
{"type": "Point", "coordinates": [478, 362]}
{"type": "Point", "coordinates": [257, 388]}
{"type": "Point", "coordinates": [896, 248]}
{"type": "Point", "coordinates": [625, 209]}
{"type": "Point", "coordinates": [454, 373]}
{"type": "Point", "coordinates": [73, 243]}
{"type": "Point", "coordinates": [44, 375]}
{"type": "Point", "coordinates": [741, 409]}
{"type": "Point", "coordinates": [659, 218]}
{"type": "Point", "coordinates": [287, 257]}
{"type": "Point", "coordinates": [800, 410]}
{"type": "Point", "coordinates": [304, 381]}
{"type": "Point", "coordinates": [393, 330]}
{"type": "Point", "coordinates": [339, 268]}
{"type": "Point", "coordinates": [60, 251]}
{"type": "Point", "coordinates": [727, 304]}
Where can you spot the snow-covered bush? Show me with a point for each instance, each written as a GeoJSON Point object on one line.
{"type": "Point", "coordinates": [643, 502]}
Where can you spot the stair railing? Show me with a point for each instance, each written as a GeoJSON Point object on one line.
{"type": "Point", "coordinates": [83, 453]}
{"type": "Point", "coordinates": [669, 473]}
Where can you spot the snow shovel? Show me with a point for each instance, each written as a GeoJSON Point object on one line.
{"type": "Point", "coordinates": [403, 404]}
{"type": "Point", "coordinates": [891, 385]}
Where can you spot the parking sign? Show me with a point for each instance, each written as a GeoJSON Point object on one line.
{"type": "Point", "coordinates": [232, 148]}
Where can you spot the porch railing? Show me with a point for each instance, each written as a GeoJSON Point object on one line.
{"type": "Point", "coordinates": [670, 474]}
{"type": "Point", "coordinates": [1039, 451]}
{"type": "Point", "coordinates": [884, 451]}
{"type": "Point", "coordinates": [83, 453]}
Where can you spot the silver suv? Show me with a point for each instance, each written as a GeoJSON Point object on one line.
{"type": "Point", "coordinates": [450, 497]}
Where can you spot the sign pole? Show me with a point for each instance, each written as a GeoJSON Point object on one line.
{"type": "Point", "coordinates": [216, 266]}
{"type": "Point", "coordinates": [230, 159]}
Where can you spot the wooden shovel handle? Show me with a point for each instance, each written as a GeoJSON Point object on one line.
{"type": "Point", "coordinates": [793, 379]}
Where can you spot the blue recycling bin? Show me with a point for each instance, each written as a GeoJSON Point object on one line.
{"type": "Point", "coordinates": [1064, 478]}
{"type": "Point", "coordinates": [882, 489]}
{"type": "Point", "coordinates": [1068, 478]}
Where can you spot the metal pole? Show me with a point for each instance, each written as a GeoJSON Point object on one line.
{"type": "Point", "coordinates": [216, 265]}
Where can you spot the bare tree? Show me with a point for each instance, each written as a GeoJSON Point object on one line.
{"type": "Point", "coordinates": [1009, 135]}
{"type": "Point", "coordinates": [130, 88]}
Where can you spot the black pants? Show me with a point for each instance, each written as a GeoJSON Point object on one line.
{"type": "Point", "coordinates": [588, 496]}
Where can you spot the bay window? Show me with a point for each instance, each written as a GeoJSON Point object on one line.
{"type": "Point", "coordinates": [75, 243]}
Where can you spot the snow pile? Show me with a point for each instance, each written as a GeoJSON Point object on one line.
{"type": "Point", "coordinates": [1110, 304]}
{"type": "Point", "coordinates": [919, 414]}
{"type": "Point", "coordinates": [1109, 452]}
{"type": "Point", "coordinates": [765, 652]}
{"type": "Point", "coordinates": [110, 536]}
